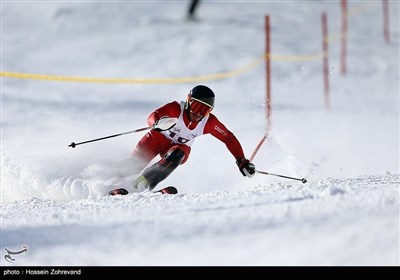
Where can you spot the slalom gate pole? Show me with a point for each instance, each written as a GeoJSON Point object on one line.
{"type": "Point", "coordinates": [73, 144]}
{"type": "Point", "coordinates": [303, 180]}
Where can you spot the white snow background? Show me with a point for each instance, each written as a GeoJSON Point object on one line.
{"type": "Point", "coordinates": [53, 197]}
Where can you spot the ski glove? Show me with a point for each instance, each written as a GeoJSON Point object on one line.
{"type": "Point", "coordinates": [165, 123]}
{"type": "Point", "coordinates": [246, 167]}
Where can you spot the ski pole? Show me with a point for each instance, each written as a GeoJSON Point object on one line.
{"type": "Point", "coordinates": [73, 144]}
{"type": "Point", "coordinates": [303, 180]}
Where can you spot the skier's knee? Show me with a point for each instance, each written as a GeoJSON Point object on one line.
{"type": "Point", "coordinates": [175, 155]}
{"type": "Point", "coordinates": [179, 152]}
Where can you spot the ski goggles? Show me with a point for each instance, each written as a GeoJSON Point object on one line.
{"type": "Point", "coordinates": [199, 108]}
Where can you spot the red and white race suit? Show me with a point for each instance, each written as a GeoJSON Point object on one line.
{"type": "Point", "coordinates": [182, 135]}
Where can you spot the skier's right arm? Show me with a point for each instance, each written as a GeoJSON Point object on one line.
{"type": "Point", "coordinates": [164, 117]}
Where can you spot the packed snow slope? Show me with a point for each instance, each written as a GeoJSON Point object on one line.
{"type": "Point", "coordinates": [53, 197]}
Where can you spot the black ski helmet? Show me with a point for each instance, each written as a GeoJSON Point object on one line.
{"type": "Point", "coordinates": [202, 94]}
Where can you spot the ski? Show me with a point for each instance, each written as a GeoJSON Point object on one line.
{"type": "Point", "coordinates": [166, 190]}
{"type": "Point", "coordinates": [120, 191]}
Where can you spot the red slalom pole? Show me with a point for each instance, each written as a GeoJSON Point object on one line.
{"type": "Point", "coordinates": [325, 57]}
{"type": "Point", "coordinates": [268, 87]}
{"type": "Point", "coordinates": [343, 38]}
{"type": "Point", "coordinates": [268, 71]}
{"type": "Point", "coordinates": [386, 32]}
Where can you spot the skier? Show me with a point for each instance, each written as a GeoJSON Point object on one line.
{"type": "Point", "coordinates": [192, 9]}
{"type": "Point", "coordinates": [175, 127]}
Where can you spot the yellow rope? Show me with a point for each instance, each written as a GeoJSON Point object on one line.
{"type": "Point", "coordinates": [210, 77]}
{"type": "Point", "coordinates": [192, 79]}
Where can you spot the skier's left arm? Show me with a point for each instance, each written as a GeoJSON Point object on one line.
{"type": "Point", "coordinates": [219, 131]}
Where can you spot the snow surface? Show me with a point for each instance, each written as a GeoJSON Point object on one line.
{"type": "Point", "coordinates": [53, 197]}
